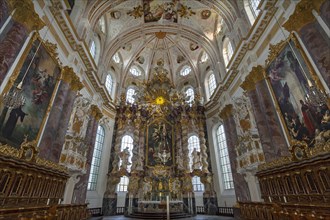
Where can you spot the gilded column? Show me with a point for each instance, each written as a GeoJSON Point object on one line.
{"type": "Point", "coordinates": [271, 136]}
{"type": "Point", "coordinates": [25, 20]}
{"type": "Point", "coordinates": [80, 189]}
{"type": "Point", "coordinates": [53, 137]}
{"type": "Point", "coordinates": [240, 185]}
{"type": "Point", "coordinates": [304, 22]}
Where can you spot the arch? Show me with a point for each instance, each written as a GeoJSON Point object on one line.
{"type": "Point", "coordinates": [210, 84]}
{"type": "Point", "coordinates": [227, 51]}
{"type": "Point", "coordinates": [109, 83]}
{"type": "Point", "coordinates": [127, 143]}
{"type": "Point", "coordinates": [189, 91]}
{"type": "Point", "coordinates": [185, 70]}
{"type": "Point", "coordinates": [96, 160]}
{"type": "Point", "coordinates": [131, 91]}
{"type": "Point", "coordinates": [225, 166]}
{"type": "Point", "coordinates": [193, 143]}
{"type": "Point", "coordinates": [251, 9]}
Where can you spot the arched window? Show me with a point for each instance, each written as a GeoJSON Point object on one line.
{"type": "Point", "coordinates": [109, 83]}
{"type": "Point", "coordinates": [197, 184]}
{"type": "Point", "coordinates": [185, 70]}
{"type": "Point", "coordinates": [190, 93]}
{"type": "Point", "coordinates": [224, 158]}
{"type": "Point", "coordinates": [251, 8]}
{"type": "Point", "coordinates": [116, 58]}
{"type": "Point", "coordinates": [92, 49]}
{"type": "Point", "coordinates": [204, 57]}
{"type": "Point", "coordinates": [96, 160]}
{"type": "Point", "coordinates": [135, 71]}
{"type": "Point", "coordinates": [129, 95]}
{"type": "Point", "coordinates": [227, 51]}
{"type": "Point", "coordinates": [212, 84]}
{"type": "Point", "coordinates": [127, 142]}
{"type": "Point", "coordinates": [102, 24]}
{"type": "Point", "coordinates": [193, 143]}
{"type": "Point", "coordinates": [123, 184]}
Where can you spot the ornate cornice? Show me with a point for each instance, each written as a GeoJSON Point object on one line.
{"type": "Point", "coordinates": [96, 112]}
{"type": "Point", "coordinates": [302, 14]}
{"type": "Point", "coordinates": [28, 153]}
{"type": "Point", "coordinates": [245, 45]}
{"type": "Point", "coordinates": [25, 14]}
{"type": "Point", "coordinates": [226, 111]}
{"type": "Point", "coordinates": [70, 77]}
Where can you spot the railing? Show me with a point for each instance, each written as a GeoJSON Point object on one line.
{"type": "Point", "coordinates": [258, 210]}
{"type": "Point", "coordinates": [95, 211]}
{"type": "Point", "coordinates": [57, 212]}
{"type": "Point", "coordinates": [120, 210]}
{"type": "Point", "coordinates": [225, 211]}
{"type": "Point", "coordinates": [200, 209]}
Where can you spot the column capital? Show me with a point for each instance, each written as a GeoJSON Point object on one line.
{"type": "Point", "coordinates": [96, 112]}
{"type": "Point", "coordinates": [70, 77]}
{"type": "Point", "coordinates": [256, 75]}
{"type": "Point", "coordinates": [25, 14]}
{"type": "Point", "coordinates": [302, 14]}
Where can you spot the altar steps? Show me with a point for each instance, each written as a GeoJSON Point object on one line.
{"type": "Point", "coordinates": [162, 215]}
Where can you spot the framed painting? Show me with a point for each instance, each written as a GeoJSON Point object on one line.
{"type": "Point", "coordinates": [33, 88]}
{"type": "Point", "coordinates": [302, 102]}
{"type": "Point", "coordinates": [160, 147]}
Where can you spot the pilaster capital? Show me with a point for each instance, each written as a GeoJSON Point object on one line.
{"type": "Point", "coordinates": [25, 14]}
{"type": "Point", "coordinates": [96, 112]}
{"type": "Point", "coordinates": [226, 111]}
{"type": "Point", "coordinates": [256, 75]}
{"type": "Point", "coordinates": [70, 77]}
{"type": "Point", "coordinates": [302, 14]}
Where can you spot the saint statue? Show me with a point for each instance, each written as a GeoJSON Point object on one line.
{"type": "Point", "coordinates": [196, 160]}
{"type": "Point", "coordinates": [124, 156]}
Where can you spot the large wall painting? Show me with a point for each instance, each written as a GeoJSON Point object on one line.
{"type": "Point", "coordinates": [305, 115]}
{"type": "Point", "coordinates": [160, 147]}
{"type": "Point", "coordinates": [37, 77]}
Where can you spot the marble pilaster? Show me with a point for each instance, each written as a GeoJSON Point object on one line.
{"type": "Point", "coordinates": [240, 185]}
{"type": "Point", "coordinates": [51, 144]}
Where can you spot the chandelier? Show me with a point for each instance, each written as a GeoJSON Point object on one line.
{"type": "Point", "coordinates": [14, 98]}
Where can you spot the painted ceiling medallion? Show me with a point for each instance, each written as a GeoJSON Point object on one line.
{"type": "Point", "coordinates": [160, 35]}
{"type": "Point", "coordinates": [205, 14]}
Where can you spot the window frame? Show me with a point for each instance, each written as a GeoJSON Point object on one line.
{"type": "Point", "coordinates": [224, 159]}
{"type": "Point", "coordinates": [96, 159]}
{"type": "Point", "coordinates": [109, 83]}
{"type": "Point", "coordinates": [129, 95]}
{"type": "Point", "coordinates": [211, 83]}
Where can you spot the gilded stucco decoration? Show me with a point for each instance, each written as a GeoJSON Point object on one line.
{"type": "Point", "coordinates": [25, 14]}
{"type": "Point", "coordinates": [302, 14]}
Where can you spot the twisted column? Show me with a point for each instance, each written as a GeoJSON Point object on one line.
{"type": "Point", "coordinates": [204, 156]}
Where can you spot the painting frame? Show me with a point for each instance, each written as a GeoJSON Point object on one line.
{"type": "Point", "coordinates": [292, 79]}
{"type": "Point", "coordinates": [149, 129]}
{"type": "Point", "coordinates": [40, 71]}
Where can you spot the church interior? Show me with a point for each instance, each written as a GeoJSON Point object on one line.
{"type": "Point", "coordinates": [164, 109]}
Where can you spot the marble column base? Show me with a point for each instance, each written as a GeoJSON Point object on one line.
{"type": "Point", "coordinates": [109, 206]}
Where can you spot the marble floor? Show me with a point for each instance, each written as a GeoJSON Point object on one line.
{"type": "Point", "coordinates": [198, 217]}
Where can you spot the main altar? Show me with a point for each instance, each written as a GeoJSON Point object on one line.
{"type": "Point", "coordinates": [159, 167]}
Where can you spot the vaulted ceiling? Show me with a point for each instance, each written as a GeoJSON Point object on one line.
{"type": "Point", "coordinates": [178, 32]}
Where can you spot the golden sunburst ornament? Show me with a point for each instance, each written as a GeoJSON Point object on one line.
{"type": "Point", "coordinates": [160, 100]}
